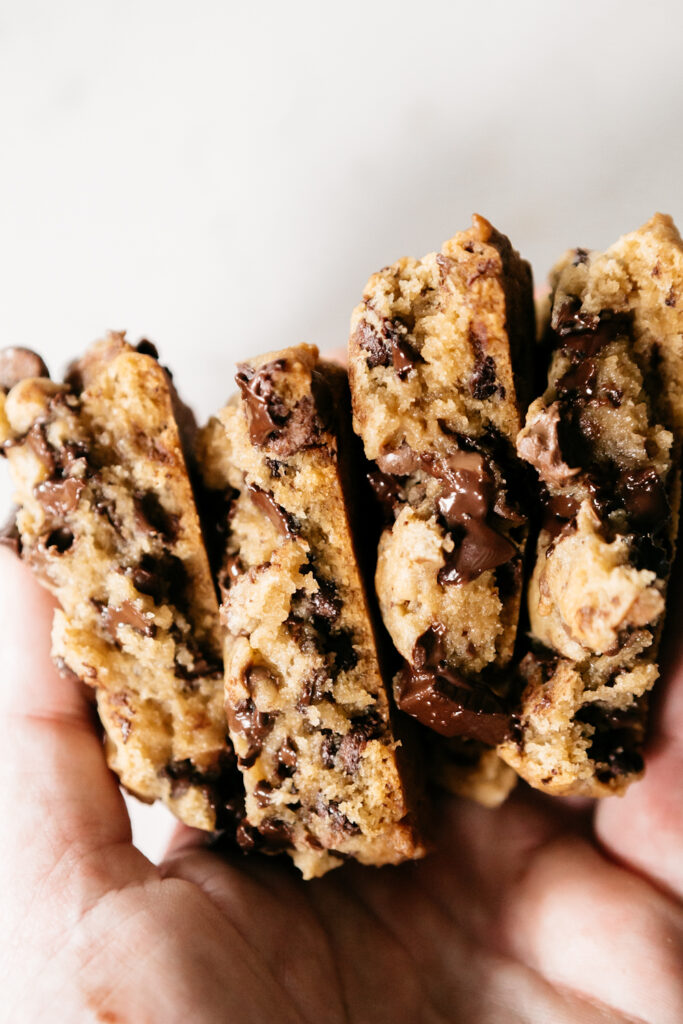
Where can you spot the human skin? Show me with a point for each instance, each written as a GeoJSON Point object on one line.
{"type": "Point", "coordinates": [543, 910]}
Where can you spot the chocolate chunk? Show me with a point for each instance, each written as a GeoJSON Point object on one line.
{"type": "Point", "coordinates": [322, 608]}
{"type": "Point", "coordinates": [483, 382]}
{"type": "Point", "coordinates": [367, 727]}
{"type": "Point", "coordinates": [340, 646]}
{"type": "Point", "coordinates": [255, 725]}
{"type": "Point", "coordinates": [263, 791]}
{"type": "Point", "coordinates": [60, 539]}
{"type": "Point", "coordinates": [450, 709]}
{"type": "Point", "coordinates": [572, 319]}
{"type": "Point", "coordinates": [163, 577]}
{"type": "Point", "coordinates": [279, 517]}
{"type": "Point", "coordinates": [9, 534]}
{"type": "Point", "coordinates": [328, 749]}
{"type": "Point", "coordinates": [147, 348]}
{"type": "Point", "coordinates": [17, 364]}
{"type": "Point", "coordinates": [153, 518]}
{"type": "Point", "coordinates": [125, 614]}
{"type": "Point", "coordinates": [644, 497]}
{"type": "Point", "coordinates": [388, 492]}
{"type": "Point", "coordinates": [540, 446]}
{"type": "Point", "coordinates": [481, 548]}
{"type": "Point", "coordinates": [36, 439]}
{"type": "Point", "coordinates": [401, 462]}
{"type": "Point", "coordinates": [559, 511]}
{"type": "Point", "coordinates": [287, 759]}
{"type": "Point", "coordinates": [390, 347]}
{"type": "Point", "coordinates": [276, 467]}
{"type": "Point", "coordinates": [616, 741]}
{"type": "Point", "coordinates": [277, 835]}
{"type": "Point", "coordinates": [266, 413]}
{"type": "Point", "coordinates": [404, 357]}
{"type": "Point", "coordinates": [230, 572]}
{"type": "Point", "coordinates": [184, 773]}
{"type": "Point", "coordinates": [580, 381]}
{"type": "Point", "coordinates": [378, 348]}
{"type": "Point", "coordinates": [59, 497]}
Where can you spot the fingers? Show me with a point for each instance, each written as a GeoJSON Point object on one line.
{"type": "Point", "coordinates": [183, 840]}
{"type": "Point", "coordinates": [58, 798]}
{"type": "Point", "coordinates": [645, 827]}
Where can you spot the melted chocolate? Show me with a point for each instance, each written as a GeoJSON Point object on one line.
{"type": "Point", "coordinates": [279, 517]}
{"type": "Point", "coordinates": [17, 364]}
{"type": "Point", "coordinates": [60, 540]}
{"type": "Point", "coordinates": [404, 357]}
{"type": "Point", "coordinates": [450, 708]}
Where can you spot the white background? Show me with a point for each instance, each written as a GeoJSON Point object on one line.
{"type": "Point", "coordinates": [222, 178]}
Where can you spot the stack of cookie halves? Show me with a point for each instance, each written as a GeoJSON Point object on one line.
{"type": "Point", "coordinates": [448, 566]}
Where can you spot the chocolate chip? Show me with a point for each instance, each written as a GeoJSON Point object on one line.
{"type": "Point", "coordinates": [60, 539]}
{"type": "Point", "coordinates": [287, 759]}
{"type": "Point", "coordinates": [275, 468]}
{"type": "Point", "coordinates": [340, 646]}
{"type": "Point", "coordinates": [231, 571]}
{"type": "Point", "coordinates": [163, 577]}
{"type": "Point", "coordinates": [255, 725]}
{"type": "Point", "coordinates": [336, 816]}
{"type": "Point", "coordinates": [125, 614]}
{"type": "Point", "coordinates": [59, 497]}
{"type": "Point", "coordinates": [17, 364]}
{"type": "Point", "coordinates": [328, 749]}
{"type": "Point", "coordinates": [670, 299]}
{"type": "Point", "coordinates": [468, 488]}
{"type": "Point", "coordinates": [263, 791]}
{"type": "Point", "coordinates": [580, 256]}
{"type": "Point", "coordinates": [322, 607]}
{"type": "Point", "coordinates": [184, 773]}
{"type": "Point", "coordinates": [315, 689]}
{"type": "Point", "coordinates": [363, 729]}
{"type": "Point", "coordinates": [644, 497]}
{"type": "Point", "coordinates": [404, 357]}
{"type": "Point", "coordinates": [277, 835]}
{"type": "Point", "coordinates": [279, 517]}
{"type": "Point", "coordinates": [615, 743]}
{"type": "Point", "coordinates": [388, 492]}
{"type": "Point", "coordinates": [153, 518]}
{"type": "Point", "coordinates": [483, 382]}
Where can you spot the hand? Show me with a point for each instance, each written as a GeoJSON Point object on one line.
{"type": "Point", "coordinates": [539, 911]}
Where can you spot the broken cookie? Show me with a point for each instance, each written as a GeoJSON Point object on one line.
{"type": "Point", "coordinates": [440, 366]}
{"type": "Point", "coordinates": [305, 698]}
{"type": "Point", "coordinates": [106, 519]}
{"type": "Point", "coordinates": [605, 441]}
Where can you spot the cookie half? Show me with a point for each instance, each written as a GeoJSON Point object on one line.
{"type": "Point", "coordinates": [440, 362]}
{"type": "Point", "coordinates": [605, 441]}
{"type": "Point", "coordinates": [107, 521]}
{"type": "Point", "coordinates": [305, 697]}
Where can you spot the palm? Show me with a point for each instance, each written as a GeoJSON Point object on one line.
{"type": "Point", "coordinates": [519, 915]}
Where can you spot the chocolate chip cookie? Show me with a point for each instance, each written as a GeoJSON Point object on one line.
{"type": "Point", "coordinates": [440, 356]}
{"type": "Point", "coordinates": [107, 521]}
{"type": "Point", "coordinates": [306, 701]}
{"type": "Point", "coordinates": [605, 441]}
